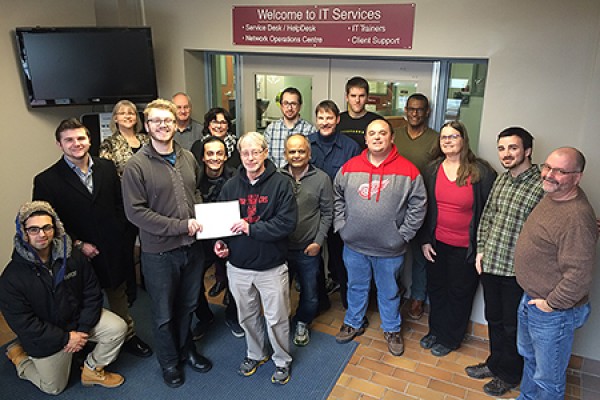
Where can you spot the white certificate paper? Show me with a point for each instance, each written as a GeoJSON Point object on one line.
{"type": "Point", "coordinates": [217, 218]}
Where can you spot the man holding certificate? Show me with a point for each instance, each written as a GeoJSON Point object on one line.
{"type": "Point", "coordinates": [160, 187]}
{"type": "Point", "coordinates": [256, 268]}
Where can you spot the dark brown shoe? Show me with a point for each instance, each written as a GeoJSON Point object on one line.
{"type": "Point", "coordinates": [416, 309]}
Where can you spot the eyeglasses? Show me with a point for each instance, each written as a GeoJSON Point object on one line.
{"type": "Point", "coordinates": [557, 171]}
{"type": "Point", "coordinates": [128, 113]}
{"type": "Point", "coordinates": [452, 137]}
{"type": "Point", "coordinates": [291, 104]}
{"type": "Point", "coordinates": [35, 230]}
{"type": "Point", "coordinates": [217, 122]}
{"type": "Point", "coordinates": [410, 110]}
{"type": "Point", "coordinates": [158, 121]}
{"type": "Point", "coordinates": [253, 153]}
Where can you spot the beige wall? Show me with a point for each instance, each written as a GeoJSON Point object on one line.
{"type": "Point", "coordinates": [544, 74]}
{"type": "Point", "coordinates": [27, 138]}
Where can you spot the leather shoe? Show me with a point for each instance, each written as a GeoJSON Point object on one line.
{"type": "Point", "coordinates": [198, 362]}
{"type": "Point", "coordinates": [416, 309]}
{"type": "Point", "coordinates": [173, 376]}
{"type": "Point", "coordinates": [137, 347]}
{"type": "Point", "coordinates": [217, 288]}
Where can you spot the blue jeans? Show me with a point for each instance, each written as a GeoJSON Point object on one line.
{"type": "Point", "coordinates": [173, 281]}
{"type": "Point", "coordinates": [305, 268]}
{"type": "Point", "coordinates": [545, 340]}
{"type": "Point", "coordinates": [361, 268]}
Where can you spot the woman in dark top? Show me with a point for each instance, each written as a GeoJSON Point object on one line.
{"type": "Point", "coordinates": [458, 184]}
{"type": "Point", "coordinates": [217, 122]}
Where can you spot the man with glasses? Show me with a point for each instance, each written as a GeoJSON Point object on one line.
{"type": "Point", "coordinates": [86, 192]}
{"type": "Point", "coordinates": [290, 102]}
{"type": "Point", "coordinates": [188, 130]}
{"type": "Point", "coordinates": [160, 188]}
{"type": "Point", "coordinates": [50, 298]}
{"type": "Point", "coordinates": [354, 121]}
{"type": "Point", "coordinates": [555, 257]}
{"type": "Point", "coordinates": [414, 141]}
{"type": "Point", "coordinates": [256, 268]}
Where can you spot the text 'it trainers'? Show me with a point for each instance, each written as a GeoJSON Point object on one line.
{"type": "Point", "coordinates": [248, 366]}
{"type": "Point", "coordinates": [281, 375]}
{"type": "Point", "coordinates": [479, 371]}
{"type": "Point", "coordinates": [301, 335]}
{"type": "Point", "coordinates": [347, 333]}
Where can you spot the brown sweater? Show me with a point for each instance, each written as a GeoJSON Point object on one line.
{"type": "Point", "coordinates": [556, 251]}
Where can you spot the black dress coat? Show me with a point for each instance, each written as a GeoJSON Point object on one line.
{"type": "Point", "coordinates": [96, 218]}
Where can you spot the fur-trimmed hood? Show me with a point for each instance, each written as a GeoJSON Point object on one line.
{"type": "Point", "coordinates": [61, 244]}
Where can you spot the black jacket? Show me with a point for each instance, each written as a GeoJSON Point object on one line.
{"type": "Point", "coordinates": [42, 312]}
{"type": "Point", "coordinates": [96, 218]}
{"type": "Point", "coordinates": [481, 191]}
{"type": "Point", "coordinates": [269, 207]}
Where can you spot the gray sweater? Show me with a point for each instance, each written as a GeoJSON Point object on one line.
{"type": "Point", "coordinates": [314, 197]}
{"type": "Point", "coordinates": [378, 210]}
{"type": "Point", "coordinates": [159, 198]}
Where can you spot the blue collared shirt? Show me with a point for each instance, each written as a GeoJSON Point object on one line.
{"type": "Point", "coordinates": [331, 158]}
{"type": "Point", "coordinates": [85, 178]}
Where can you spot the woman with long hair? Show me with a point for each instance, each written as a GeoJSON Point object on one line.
{"type": "Point", "coordinates": [458, 184]}
{"type": "Point", "coordinates": [126, 140]}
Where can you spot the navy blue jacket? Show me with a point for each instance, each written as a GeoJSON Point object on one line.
{"type": "Point", "coordinates": [331, 159]}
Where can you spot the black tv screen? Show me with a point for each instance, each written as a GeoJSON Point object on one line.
{"type": "Point", "coordinates": [79, 66]}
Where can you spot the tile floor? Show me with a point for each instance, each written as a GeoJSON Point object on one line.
{"type": "Point", "coordinates": [373, 373]}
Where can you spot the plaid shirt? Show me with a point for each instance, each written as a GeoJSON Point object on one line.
{"type": "Point", "coordinates": [276, 134]}
{"type": "Point", "coordinates": [508, 206]}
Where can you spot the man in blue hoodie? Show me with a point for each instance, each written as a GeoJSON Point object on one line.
{"type": "Point", "coordinates": [379, 205]}
{"type": "Point", "coordinates": [256, 269]}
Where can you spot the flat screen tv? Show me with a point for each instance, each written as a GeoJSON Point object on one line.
{"type": "Point", "coordinates": [82, 66]}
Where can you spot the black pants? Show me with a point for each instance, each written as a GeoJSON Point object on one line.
{"type": "Point", "coordinates": [451, 284]}
{"type": "Point", "coordinates": [502, 295]}
{"type": "Point", "coordinates": [203, 312]}
{"type": "Point", "coordinates": [335, 245]}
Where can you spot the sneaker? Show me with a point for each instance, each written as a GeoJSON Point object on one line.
{"type": "Point", "coordinates": [281, 375]}
{"type": "Point", "coordinates": [347, 333]}
{"type": "Point", "coordinates": [236, 328]}
{"type": "Point", "coordinates": [428, 341]}
{"type": "Point", "coordinates": [479, 371]}
{"type": "Point", "coordinates": [395, 343]}
{"type": "Point", "coordinates": [439, 350]}
{"type": "Point", "coordinates": [416, 310]}
{"type": "Point", "coordinates": [497, 387]}
{"type": "Point", "coordinates": [98, 376]}
{"type": "Point", "coordinates": [248, 366]}
{"type": "Point", "coordinates": [301, 336]}
{"type": "Point", "coordinates": [201, 328]}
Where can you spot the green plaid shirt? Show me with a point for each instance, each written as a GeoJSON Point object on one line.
{"type": "Point", "coordinates": [508, 206]}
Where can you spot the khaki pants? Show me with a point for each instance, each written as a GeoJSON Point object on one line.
{"type": "Point", "coordinates": [117, 301]}
{"type": "Point", "coordinates": [51, 374]}
{"type": "Point", "coordinates": [269, 289]}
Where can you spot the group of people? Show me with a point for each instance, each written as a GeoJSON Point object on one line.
{"type": "Point", "coordinates": [371, 192]}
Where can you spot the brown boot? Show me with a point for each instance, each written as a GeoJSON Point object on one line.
{"type": "Point", "coordinates": [416, 309]}
{"type": "Point", "coordinates": [100, 377]}
{"type": "Point", "coordinates": [16, 354]}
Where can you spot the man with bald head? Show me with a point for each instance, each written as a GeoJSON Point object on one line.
{"type": "Point", "coordinates": [554, 260]}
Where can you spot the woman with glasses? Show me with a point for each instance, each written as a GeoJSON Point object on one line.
{"type": "Point", "coordinates": [126, 140]}
{"type": "Point", "coordinates": [217, 122]}
{"type": "Point", "coordinates": [458, 184]}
